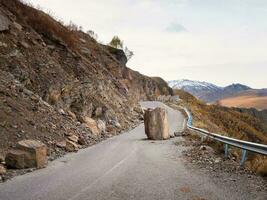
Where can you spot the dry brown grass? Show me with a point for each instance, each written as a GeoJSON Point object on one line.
{"type": "Point", "coordinates": [257, 102]}
{"type": "Point", "coordinates": [226, 120]}
{"type": "Point", "coordinates": [41, 22]}
{"type": "Point", "coordinates": [230, 122]}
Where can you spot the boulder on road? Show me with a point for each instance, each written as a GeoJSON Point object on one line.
{"type": "Point", "coordinates": [27, 154]}
{"type": "Point", "coordinates": [156, 124]}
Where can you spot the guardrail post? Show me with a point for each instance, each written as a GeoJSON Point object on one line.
{"type": "Point", "coordinates": [244, 153]}
{"type": "Point", "coordinates": [226, 146]}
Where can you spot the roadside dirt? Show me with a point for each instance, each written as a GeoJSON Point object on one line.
{"type": "Point", "coordinates": [222, 170]}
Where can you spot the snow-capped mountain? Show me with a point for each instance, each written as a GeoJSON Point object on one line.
{"type": "Point", "coordinates": [184, 83]}
{"type": "Point", "coordinates": [207, 92]}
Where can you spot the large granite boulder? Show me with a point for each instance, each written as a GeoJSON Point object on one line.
{"type": "Point", "coordinates": [156, 124]}
{"type": "Point", "coordinates": [27, 154]}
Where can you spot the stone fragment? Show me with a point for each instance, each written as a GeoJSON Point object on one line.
{"type": "Point", "coordinates": [73, 138]}
{"type": "Point", "coordinates": [91, 124]}
{"type": "Point", "coordinates": [17, 159]}
{"type": "Point", "coordinates": [2, 170]}
{"type": "Point", "coordinates": [24, 44]}
{"type": "Point", "coordinates": [71, 114]}
{"type": "Point", "coordinates": [156, 124]}
{"type": "Point", "coordinates": [206, 149]}
{"type": "Point", "coordinates": [98, 112]}
{"type": "Point", "coordinates": [115, 123]}
{"type": "Point", "coordinates": [71, 146]}
{"type": "Point", "coordinates": [17, 26]}
{"type": "Point", "coordinates": [101, 126]}
{"type": "Point", "coordinates": [4, 22]}
{"type": "Point", "coordinates": [2, 44]}
{"type": "Point", "coordinates": [81, 140]}
{"type": "Point", "coordinates": [61, 144]}
{"type": "Point", "coordinates": [15, 53]}
{"type": "Point", "coordinates": [61, 111]}
{"type": "Point", "coordinates": [37, 151]}
{"type": "Point", "coordinates": [2, 158]}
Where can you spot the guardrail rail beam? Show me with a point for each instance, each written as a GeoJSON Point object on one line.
{"type": "Point", "coordinates": [244, 145]}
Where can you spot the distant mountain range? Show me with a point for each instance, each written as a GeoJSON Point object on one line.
{"type": "Point", "coordinates": [235, 95]}
{"type": "Point", "coordinates": [207, 92]}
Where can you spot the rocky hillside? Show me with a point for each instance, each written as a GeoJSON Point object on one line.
{"type": "Point", "coordinates": [207, 92]}
{"type": "Point", "coordinates": [56, 82]}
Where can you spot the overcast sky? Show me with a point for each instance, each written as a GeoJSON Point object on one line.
{"type": "Point", "coordinates": [219, 41]}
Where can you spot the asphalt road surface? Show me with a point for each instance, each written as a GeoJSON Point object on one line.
{"type": "Point", "coordinates": [124, 167]}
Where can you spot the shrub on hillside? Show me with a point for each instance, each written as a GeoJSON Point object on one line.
{"type": "Point", "coordinates": [117, 43]}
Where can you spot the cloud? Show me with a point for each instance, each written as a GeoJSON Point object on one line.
{"type": "Point", "coordinates": [174, 27]}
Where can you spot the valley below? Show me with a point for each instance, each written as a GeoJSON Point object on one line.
{"type": "Point", "coordinates": [235, 95]}
{"type": "Point", "coordinates": [248, 99]}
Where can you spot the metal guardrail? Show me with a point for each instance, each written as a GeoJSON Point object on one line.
{"type": "Point", "coordinates": [244, 145]}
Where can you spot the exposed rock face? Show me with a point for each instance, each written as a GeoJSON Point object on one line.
{"type": "Point", "coordinates": [4, 22]}
{"type": "Point", "coordinates": [119, 54]}
{"type": "Point", "coordinates": [28, 154]}
{"type": "Point", "coordinates": [156, 124]}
